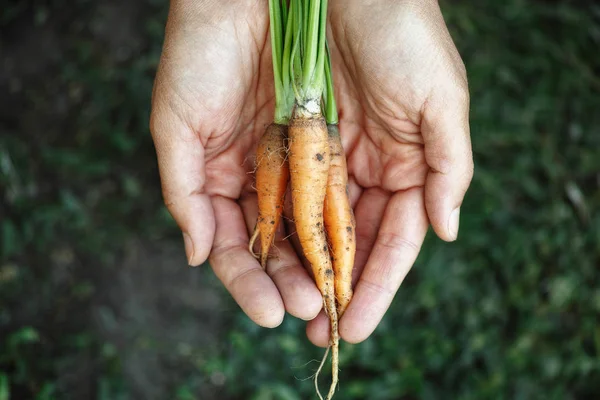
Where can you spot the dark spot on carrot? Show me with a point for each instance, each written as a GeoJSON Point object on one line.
{"type": "Point", "coordinates": [319, 157]}
{"type": "Point", "coordinates": [347, 248]}
{"type": "Point", "coordinates": [328, 272]}
{"type": "Point", "coordinates": [324, 247]}
{"type": "Point", "coordinates": [349, 229]}
{"type": "Point", "coordinates": [272, 222]}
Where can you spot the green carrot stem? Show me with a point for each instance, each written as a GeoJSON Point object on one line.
{"type": "Point", "coordinates": [330, 106]}
{"type": "Point", "coordinates": [312, 40]}
{"type": "Point", "coordinates": [309, 53]}
{"type": "Point", "coordinates": [296, 57]}
{"type": "Point", "coordinates": [284, 10]}
{"type": "Point", "coordinates": [283, 93]}
{"type": "Point", "coordinates": [287, 47]}
{"type": "Point", "coordinates": [322, 56]}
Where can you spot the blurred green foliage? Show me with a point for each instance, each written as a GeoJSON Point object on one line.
{"type": "Point", "coordinates": [510, 311]}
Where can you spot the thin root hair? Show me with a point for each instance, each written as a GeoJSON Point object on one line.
{"type": "Point", "coordinates": [319, 371]}
{"type": "Point", "coordinates": [252, 241]}
{"type": "Point", "coordinates": [289, 236]}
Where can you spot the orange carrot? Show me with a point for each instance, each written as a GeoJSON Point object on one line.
{"type": "Point", "coordinates": [309, 157]}
{"type": "Point", "coordinates": [339, 221]}
{"type": "Point", "coordinates": [272, 176]}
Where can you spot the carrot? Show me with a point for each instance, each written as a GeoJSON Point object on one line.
{"type": "Point", "coordinates": [339, 218]}
{"type": "Point", "coordinates": [310, 158]}
{"type": "Point", "coordinates": [272, 171]}
{"type": "Point", "coordinates": [316, 160]}
{"type": "Point", "coordinates": [339, 221]}
{"type": "Point", "coordinates": [272, 176]}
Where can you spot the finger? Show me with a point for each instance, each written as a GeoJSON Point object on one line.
{"type": "Point", "coordinates": [354, 191]}
{"type": "Point", "coordinates": [300, 295]}
{"type": "Point", "coordinates": [446, 136]}
{"type": "Point", "coordinates": [400, 237]}
{"type": "Point", "coordinates": [249, 205]}
{"type": "Point", "coordinates": [239, 271]}
{"type": "Point", "coordinates": [369, 214]}
{"type": "Point", "coordinates": [317, 330]}
{"type": "Point", "coordinates": [181, 163]}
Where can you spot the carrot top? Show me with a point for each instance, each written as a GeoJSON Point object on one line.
{"type": "Point", "coordinates": [308, 53]}
{"type": "Point", "coordinates": [281, 45]}
{"type": "Point", "coordinates": [329, 105]}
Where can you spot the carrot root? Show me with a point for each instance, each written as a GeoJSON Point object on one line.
{"type": "Point", "coordinates": [339, 221]}
{"type": "Point", "coordinates": [334, 346]}
{"type": "Point", "coordinates": [310, 159]}
{"type": "Point", "coordinates": [252, 241]}
{"type": "Point", "coordinates": [316, 378]}
{"type": "Point", "coordinates": [272, 176]}
{"type": "Point", "coordinates": [334, 342]}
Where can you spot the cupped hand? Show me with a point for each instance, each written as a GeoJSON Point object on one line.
{"type": "Point", "coordinates": [403, 101]}
{"type": "Point", "coordinates": [213, 98]}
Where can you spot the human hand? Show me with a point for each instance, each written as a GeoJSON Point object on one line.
{"type": "Point", "coordinates": [213, 97]}
{"type": "Point", "coordinates": [403, 101]}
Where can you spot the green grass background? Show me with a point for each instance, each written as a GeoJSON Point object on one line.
{"type": "Point", "coordinates": [510, 311]}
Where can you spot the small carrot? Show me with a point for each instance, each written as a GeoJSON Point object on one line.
{"type": "Point", "coordinates": [272, 170]}
{"type": "Point", "coordinates": [339, 218]}
{"type": "Point", "coordinates": [310, 158]}
{"type": "Point", "coordinates": [272, 176]}
{"type": "Point", "coordinates": [339, 221]}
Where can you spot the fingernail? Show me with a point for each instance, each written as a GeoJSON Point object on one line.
{"type": "Point", "coordinates": [453, 223]}
{"type": "Point", "coordinates": [189, 247]}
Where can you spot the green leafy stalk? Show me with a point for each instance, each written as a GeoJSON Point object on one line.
{"type": "Point", "coordinates": [296, 56]}
{"type": "Point", "coordinates": [284, 10]}
{"type": "Point", "coordinates": [310, 22]}
{"type": "Point", "coordinates": [322, 54]}
{"type": "Point", "coordinates": [280, 46]}
{"type": "Point", "coordinates": [276, 42]}
{"type": "Point", "coordinates": [287, 46]}
{"type": "Point", "coordinates": [312, 40]}
{"type": "Point", "coordinates": [305, 19]}
{"type": "Point", "coordinates": [330, 106]}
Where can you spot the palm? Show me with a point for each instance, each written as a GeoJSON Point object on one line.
{"type": "Point", "coordinates": [383, 150]}
{"type": "Point", "coordinates": [384, 79]}
{"type": "Point", "coordinates": [222, 90]}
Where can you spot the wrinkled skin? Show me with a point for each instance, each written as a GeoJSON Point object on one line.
{"type": "Point", "coordinates": [403, 99]}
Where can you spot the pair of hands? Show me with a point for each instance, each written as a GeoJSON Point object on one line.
{"type": "Point", "coordinates": [403, 101]}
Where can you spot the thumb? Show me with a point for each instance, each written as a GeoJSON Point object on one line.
{"type": "Point", "coordinates": [446, 136]}
{"type": "Point", "coordinates": [181, 164]}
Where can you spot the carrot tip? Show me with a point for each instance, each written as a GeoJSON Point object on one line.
{"type": "Point", "coordinates": [263, 260]}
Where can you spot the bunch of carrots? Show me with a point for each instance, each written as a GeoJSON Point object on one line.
{"type": "Point", "coordinates": [302, 147]}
